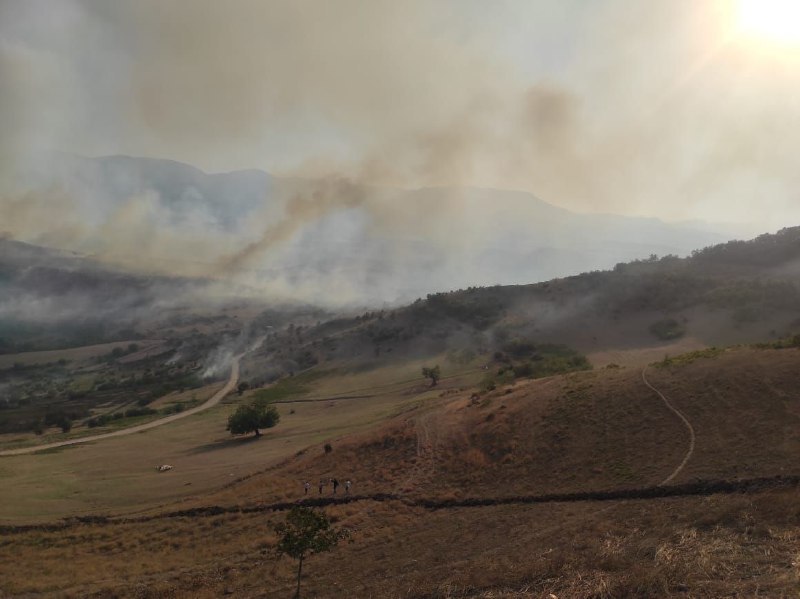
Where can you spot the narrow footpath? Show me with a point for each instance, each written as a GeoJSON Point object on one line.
{"type": "Point", "coordinates": [686, 422]}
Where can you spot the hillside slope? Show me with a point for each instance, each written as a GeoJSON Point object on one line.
{"type": "Point", "coordinates": [603, 429]}
{"type": "Point", "coordinates": [738, 292]}
{"type": "Point", "coordinates": [597, 430]}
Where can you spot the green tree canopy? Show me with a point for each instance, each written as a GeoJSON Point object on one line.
{"type": "Point", "coordinates": [305, 532]}
{"type": "Point", "coordinates": [249, 418]}
{"type": "Point", "coordinates": [432, 373]}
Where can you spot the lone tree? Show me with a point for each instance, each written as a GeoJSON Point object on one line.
{"type": "Point", "coordinates": [252, 417]}
{"type": "Point", "coordinates": [305, 532]}
{"type": "Point", "coordinates": [432, 373]}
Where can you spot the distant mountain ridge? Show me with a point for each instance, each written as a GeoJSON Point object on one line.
{"type": "Point", "coordinates": [390, 245]}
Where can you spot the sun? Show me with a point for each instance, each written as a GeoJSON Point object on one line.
{"type": "Point", "coordinates": [777, 21]}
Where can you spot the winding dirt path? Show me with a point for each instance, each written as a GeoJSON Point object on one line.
{"type": "Point", "coordinates": [680, 415]}
{"type": "Point", "coordinates": [211, 402]}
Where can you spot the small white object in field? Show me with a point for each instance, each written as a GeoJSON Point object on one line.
{"type": "Point", "coordinates": [163, 467]}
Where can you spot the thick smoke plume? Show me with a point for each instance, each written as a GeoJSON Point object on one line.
{"type": "Point", "coordinates": [654, 109]}
{"type": "Point", "coordinates": [327, 197]}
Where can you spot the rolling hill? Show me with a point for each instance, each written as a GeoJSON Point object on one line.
{"type": "Point", "coordinates": [738, 292]}
{"type": "Point", "coordinates": [523, 473]}
{"type": "Point", "coordinates": [451, 499]}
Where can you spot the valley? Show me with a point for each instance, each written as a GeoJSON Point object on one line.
{"type": "Point", "coordinates": [399, 300]}
{"type": "Point", "coordinates": [640, 454]}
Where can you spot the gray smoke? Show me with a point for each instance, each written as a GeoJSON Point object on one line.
{"type": "Point", "coordinates": [651, 109]}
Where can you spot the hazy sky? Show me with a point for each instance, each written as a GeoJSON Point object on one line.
{"type": "Point", "coordinates": [660, 108]}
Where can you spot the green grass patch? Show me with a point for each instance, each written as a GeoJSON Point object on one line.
{"type": "Point", "coordinates": [785, 343]}
{"type": "Point", "coordinates": [290, 386]}
{"type": "Point", "coordinates": [688, 358]}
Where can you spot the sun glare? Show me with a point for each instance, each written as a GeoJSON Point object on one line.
{"type": "Point", "coordinates": [774, 20]}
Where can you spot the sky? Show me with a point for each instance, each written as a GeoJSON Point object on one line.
{"type": "Point", "coordinates": [667, 108]}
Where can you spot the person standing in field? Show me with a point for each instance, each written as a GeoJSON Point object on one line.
{"type": "Point", "coordinates": [347, 485]}
{"type": "Point", "coordinates": [306, 487]}
{"type": "Point", "coordinates": [335, 483]}
{"type": "Point", "coordinates": [321, 485]}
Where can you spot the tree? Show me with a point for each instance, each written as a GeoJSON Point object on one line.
{"type": "Point", "coordinates": [305, 532]}
{"type": "Point", "coordinates": [251, 417]}
{"type": "Point", "coordinates": [432, 373]}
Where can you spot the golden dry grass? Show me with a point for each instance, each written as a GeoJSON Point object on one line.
{"type": "Point", "coordinates": [594, 430]}
{"type": "Point", "coordinates": [118, 475]}
{"type": "Point", "coordinates": [699, 547]}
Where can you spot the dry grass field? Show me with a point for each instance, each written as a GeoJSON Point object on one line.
{"type": "Point", "coordinates": [75, 354]}
{"type": "Point", "coordinates": [594, 430]}
{"type": "Point", "coordinates": [119, 475]}
{"type": "Point", "coordinates": [741, 546]}
{"type": "Point", "coordinates": [601, 429]}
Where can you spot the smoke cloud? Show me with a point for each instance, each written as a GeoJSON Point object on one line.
{"type": "Point", "coordinates": [654, 109]}
{"type": "Point", "coordinates": [300, 210]}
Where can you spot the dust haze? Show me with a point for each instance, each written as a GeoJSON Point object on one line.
{"type": "Point", "coordinates": [652, 110]}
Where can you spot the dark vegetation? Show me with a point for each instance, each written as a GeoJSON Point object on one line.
{"type": "Point", "coordinates": [434, 374]}
{"type": "Point", "coordinates": [23, 336]}
{"type": "Point", "coordinates": [61, 394]}
{"type": "Point", "coordinates": [251, 417]}
{"type": "Point", "coordinates": [753, 284]}
{"type": "Point", "coordinates": [55, 300]}
{"type": "Point", "coordinates": [667, 329]}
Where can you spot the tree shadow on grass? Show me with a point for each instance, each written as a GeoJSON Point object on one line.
{"type": "Point", "coordinates": [225, 443]}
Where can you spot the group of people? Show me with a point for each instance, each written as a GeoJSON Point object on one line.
{"type": "Point", "coordinates": [334, 483]}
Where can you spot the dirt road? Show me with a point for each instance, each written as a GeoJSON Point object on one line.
{"type": "Point", "coordinates": [686, 422]}
{"type": "Point", "coordinates": [214, 400]}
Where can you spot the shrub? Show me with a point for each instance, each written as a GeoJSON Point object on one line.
{"type": "Point", "coordinates": [134, 412]}
{"type": "Point", "coordinates": [667, 329]}
{"type": "Point", "coordinates": [434, 374]}
{"type": "Point", "coordinates": [305, 532]}
{"type": "Point", "coordinates": [252, 417]}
